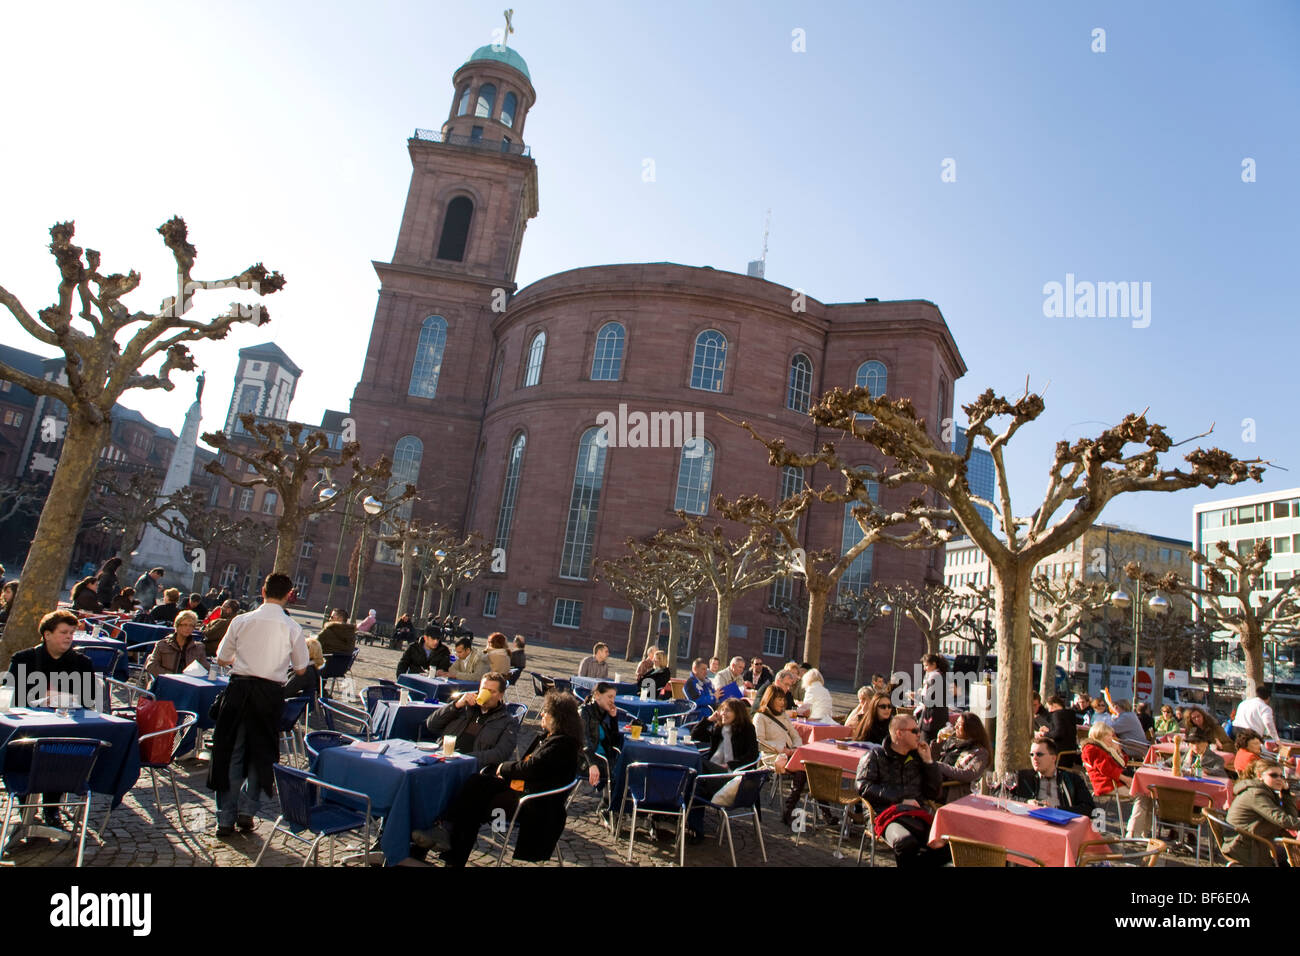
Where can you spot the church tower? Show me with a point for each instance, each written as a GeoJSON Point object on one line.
{"type": "Point", "coordinates": [425, 381]}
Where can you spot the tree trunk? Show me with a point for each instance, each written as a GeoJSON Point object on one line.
{"type": "Point", "coordinates": [674, 634]}
{"type": "Point", "coordinates": [859, 670]}
{"type": "Point", "coordinates": [130, 538]}
{"type": "Point", "coordinates": [1047, 680]}
{"type": "Point", "coordinates": [1252, 647]}
{"type": "Point", "coordinates": [1157, 676]}
{"type": "Point", "coordinates": [1015, 666]}
{"type": "Point", "coordinates": [427, 602]}
{"type": "Point", "coordinates": [722, 627]}
{"type": "Point", "coordinates": [632, 626]}
{"type": "Point", "coordinates": [408, 570]}
{"type": "Point", "coordinates": [56, 535]}
{"type": "Point", "coordinates": [287, 543]}
{"type": "Point", "coordinates": [444, 601]}
{"type": "Point", "coordinates": [651, 633]}
{"type": "Point", "coordinates": [812, 642]}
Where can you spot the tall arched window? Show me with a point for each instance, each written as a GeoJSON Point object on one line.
{"type": "Point", "coordinates": [463, 108]}
{"type": "Point", "coordinates": [455, 229]}
{"type": "Point", "coordinates": [407, 455]}
{"type": "Point", "coordinates": [858, 575]}
{"type": "Point", "coordinates": [536, 352]}
{"type": "Point", "coordinates": [508, 107]}
{"type": "Point", "coordinates": [607, 363]}
{"type": "Point", "coordinates": [428, 357]}
{"type": "Point", "coordinates": [799, 392]}
{"type": "Point", "coordinates": [584, 506]}
{"type": "Point", "coordinates": [710, 361]}
{"type": "Point", "coordinates": [695, 477]}
{"type": "Point", "coordinates": [487, 98]}
{"type": "Point", "coordinates": [506, 517]}
{"type": "Point", "coordinates": [873, 377]}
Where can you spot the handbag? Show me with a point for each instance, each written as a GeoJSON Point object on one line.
{"type": "Point", "coordinates": [726, 797]}
{"type": "Point", "coordinates": [152, 716]}
{"type": "Point", "coordinates": [215, 710]}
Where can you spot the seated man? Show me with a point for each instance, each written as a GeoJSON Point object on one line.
{"type": "Point", "coordinates": [894, 779]}
{"type": "Point", "coordinates": [730, 681]}
{"type": "Point", "coordinates": [787, 679]}
{"type": "Point", "coordinates": [1130, 733]}
{"type": "Point", "coordinates": [426, 654]}
{"type": "Point", "coordinates": [214, 632]}
{"type": "Point", "coordinates": [595, 664]}
{"type": "Point", "coordinates": [483, 728]}
{"type": "Point", "coordinates": [469, 663]}
{"type": "Point", "coordinates": [1047, 785]}
{"type": "Point", "coordinates": [338, 636]}
{"type": "Point", "coordinates": [698, 687]}
{"type": "Point", "coordinates": [518, 656]}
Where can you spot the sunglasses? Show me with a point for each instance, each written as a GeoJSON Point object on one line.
{"type": "Point", "coordinates": [1273, 773]}
{"type": "Point", "coordinates": [909, 730]}
{"type": "Point", "coordinates": [1039, 753]}
{"type": "Point", "coordinates": [884, 707]}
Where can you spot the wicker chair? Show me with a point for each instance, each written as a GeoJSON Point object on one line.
{"type": "Point", "coordinates": [1177, 809]}
{"type": "Point", "coordinates": [826, 789]}
{"type": "Point", "coordinates": [974, 853]}
{"type": "Point", "coordinates": [1221, 830]}
{"type": "Point", "coordinates": [1289, 848]}
{"type": "Point", "coordinates": [1123, 852]}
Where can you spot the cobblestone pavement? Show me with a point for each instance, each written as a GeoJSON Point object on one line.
{"type": "Point", "coordinates": [138, 836]}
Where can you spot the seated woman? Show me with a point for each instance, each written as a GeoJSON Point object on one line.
{"type": "Point", "coordinates": [1106, 762]}
{"type": "Point", "coordinates": [777, 740]}
{"type": "Point", "coordinates": [964, 756]}
{"type": "Point", "coordinates": [660, 674]}
{"type": "Point", "coordinates": [732, 743]}
{"type": "Point", "coordinates": [1250, 747]}
{"type": "Point", "coordinates": [550, 762]}
{"type": "Point", "coordinates": [863, 707]}
{"type": "Point", "coordinates": [125, 601]}
{"type": "Point", "coordinates": [816, 698]}
{"type": "Point", "coordinates": [84, 596]}
{"type": "Point", "coordinates": [1262, 804]}
{"type": "Point", "coordinates": [497, 654]}
{"type": "Point", "coordinates": [178, 650]}
{"type": "Point", "coordinates": [874, 727]}
{"type": "Point", "coordinates": [1200, 719]}
{"type": "Point", "coordinates": [1166, 723]}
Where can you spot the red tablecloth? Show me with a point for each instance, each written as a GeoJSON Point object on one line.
{"type": "Point", "coordinates": [826, 752]}
{"type": "Point", "coordinates": [978, 818]}
{"type": "Point", "coordinates": [1167, 750]}
{"type": "Point", "coordinates": [813, 731]}
{"type": "Point", "coordinates": [1217, 792]}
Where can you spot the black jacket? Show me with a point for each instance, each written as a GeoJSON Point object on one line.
{"type": "Point", "coordinates": [164, 614]}
{"type": "Point", "coordinates": [885, 777]}
{"type": "Point", "coordinates": [73, 667]}
{"type": "Point", "coordinates": [255, 704]}
{"type": "Point", "coordinates": [744, 745]}
{"type": "Point", "coordinates": [1060, 727]}
{"type": "Point", "coordinates": [1074, 794]}
{"type": "Point", "coordinates": [661, 676]}
{"type": "Point", "coordinates": [551, 762]}
{"type": "Point", "coordinates": [416, 659]}
{"type": "Point", "coordinates": [593, 718]}
{"type": "Point", "coordinates": [497, 733]}
{"type": "Point", "coordinates": [403, 631]}
{"type": "Point", "coordinates": [106, 587]}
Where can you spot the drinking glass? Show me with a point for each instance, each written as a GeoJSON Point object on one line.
{"type": "Point", "coordinates": [1009, 780]}
{"type": "Point", "coordinates": [448, 745]}
{"type": "Point", "coordinates": [991, 783]}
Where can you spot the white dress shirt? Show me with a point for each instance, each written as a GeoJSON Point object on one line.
{"type": "Point", "coordinates": [264, 643]}
{"type": "Point", "coordinates": [1256, 715]}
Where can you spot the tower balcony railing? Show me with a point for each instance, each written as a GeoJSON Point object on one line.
{"type": "Point", "coordinates": [470, 142]}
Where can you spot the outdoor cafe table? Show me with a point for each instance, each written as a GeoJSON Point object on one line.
{"type": "Point", "coordinates": [437, 688]}
{"type": "Point", "coordinates": [978, 818]}
{"type": "Point", "coordinates": [393, 719]}
{"type": "Point", "coordinates": [825, 751]}
{"type": "Point", "coordinates": [144, 633]}
{"type": "Point", "coordinates": [1217, 791]}
{"type": "Point", "coordinates": [583, 686]}
{"type": "Point", "coordinates": [194, 694]}
{"type": "Point", "coordinates": [646, 710]}
{"type": "Point", "coordinates": [814, 730]}
{"type": "Point", "coordinates": [1155, 751]}
{"type": "Point", "coordinates": [120, 672]}
{"type": "Point", "coordinates": [117, 768]}
{"type": "Point", "coordinates": [651, 749]}
{"type": "Point", "coordinates": [407, 794]}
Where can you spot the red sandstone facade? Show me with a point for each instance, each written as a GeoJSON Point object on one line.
{"type": "Point", "coordinates": [485, 396]}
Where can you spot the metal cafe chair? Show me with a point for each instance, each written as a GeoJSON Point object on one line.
{"type": "Point", "coordinates": [559, 794]}
{"type": "Point", "coordinates": [745, 804]}
{"type": "Point", "coordinates": [53, 765]}
{"type": "Point", "coordinates": [826, 789]}
{"type": "Point", "coordinates": [1221, 831]}
{"type": "Point", "coordinates": [332, 710]}
{"type": "Point", "coordinates": [305, 806]}
{"type": "Point", "coordinates": [656, 789]}
{"type": "Point", "coordinates": [317, 740]}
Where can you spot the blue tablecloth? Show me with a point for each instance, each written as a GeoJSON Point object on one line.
{"type": "Point", "coordinates": [583, 686]}
{"type": "Point", "coordinates": [142, 633]}
{"type": "Point", "coordinates": [190, 693]}
{"type": "Point", "coordinates": [653, 750]}
{"type": "Point", "coordinates": [408, 796]}
{"type": "Point", "coordinates": [117, 769]}
{"type": "Point", "coordinates": [120, 672]}
{"type": "Point", "coordinates": [393, 719]}
{"type": "Point", "coordinates": [645, 710]}
{"type": "Point", "coordinates": [437, 688]}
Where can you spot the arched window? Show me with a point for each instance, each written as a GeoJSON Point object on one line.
{"type": "Point", "coordinates": [428, 357]}
{"type": "Point", "coordinates": [407, 455]}
{"type": "Point", "coordinates": [873, 377]}
{"type": "Point", "coordinates": [455, 229]}
{"type": "Point", "coordinates": [607, 363]}
{"type": "Point", "coordinates": [799, 392]}
{"type": "Point", "coordinates": [487, 98]}
{"type": "Point", "coordinates": [695, 477]}
{"type": "Point", "coordinates": [858, 575]}
{"type": "Point", "coordinates": [536, 352]}
{"type": "Point", "coordinates": [584, 506]}
{"type": "Point", "coordinates": [506, 517]}
{"type": "Point", "coordinates": [463, 108]}
{"type": "Point", "coordinates": [496, 381]}
{"type": "Point", "coordinates": [710, 361]}
{"type": "Point", "coordinates": [508, 107]}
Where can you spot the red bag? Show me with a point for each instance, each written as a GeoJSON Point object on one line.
{"type": "Point", "coordinates": [150, 717]}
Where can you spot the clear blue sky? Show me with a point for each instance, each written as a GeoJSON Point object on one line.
{"type": "Point", "coordinates": [278, 131]}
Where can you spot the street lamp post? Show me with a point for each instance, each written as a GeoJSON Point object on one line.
{"type": "Point", "coordinates": [888, 611]}
{"type": "Point", "coordinates": [371, 506]}
{"type": "Point", "coordinates": [1158, 605]}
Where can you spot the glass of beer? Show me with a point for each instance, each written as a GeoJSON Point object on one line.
{"type": "Point", "coordinates": [635, 731]}
{"type": "Point", "coordinates": [448, 745]}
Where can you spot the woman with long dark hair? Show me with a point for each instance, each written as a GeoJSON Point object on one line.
{"type": "Point", "coordinates": [84, 597]}
{"type": "Point", "coordinates": [874, 725]}
{"type": "Point", "coordinates": [106, 581]}
{"type": "Point", "coordinates": [550, 762]}
{"type": "Point", "coordinates": [964, 756]}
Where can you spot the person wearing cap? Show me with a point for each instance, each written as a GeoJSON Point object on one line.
{"type": "Point", "coordinates": [427, 654]}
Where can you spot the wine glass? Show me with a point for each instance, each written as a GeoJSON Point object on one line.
{"type": "Point", "coordinates": [991, 782]}
{"type": "Point", "coordinates": [1009, 780]}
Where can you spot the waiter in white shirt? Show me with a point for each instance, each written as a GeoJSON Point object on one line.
{"type": "Point", "coordinates": [1255, 714]}
{"type": "Point", "coordinates": [260, 648]}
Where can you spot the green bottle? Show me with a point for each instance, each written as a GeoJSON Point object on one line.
{"type": "Point", "coordinates": [654, 725]}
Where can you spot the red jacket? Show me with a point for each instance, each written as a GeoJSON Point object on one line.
{"type": "Point", "coordinates": [1103, 769]}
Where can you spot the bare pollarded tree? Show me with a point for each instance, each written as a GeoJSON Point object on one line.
{"type": "Point", "coordinates": [457, 561]}
{"type": "Point", "coordinates": [671, 575]}
{"type": "Point", "coordinates": [1083, 478]}
{"type": "Point", "coordinates": [621, 575]}
{"type": "Point", "coordinates": [1064, 606]}
{"type": "Point", "coordinates": [1233, 598]}
{"type": "Point", "coordinates": [107, 350]}
{"type": "Point", "coordinates": [937, 610]}
{"type": "Point", "coordinates": [862, 609]}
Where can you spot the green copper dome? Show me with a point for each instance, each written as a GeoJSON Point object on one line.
{"type": "Point", "coordinates": [503, 54]}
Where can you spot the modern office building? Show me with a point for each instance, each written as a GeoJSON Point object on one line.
{"type": "Point", "coordinates": [979, 474]}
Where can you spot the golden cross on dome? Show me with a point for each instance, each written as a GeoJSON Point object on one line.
{"type": "Point", "coordinates": [509, 14]}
